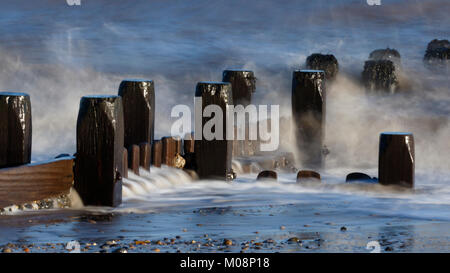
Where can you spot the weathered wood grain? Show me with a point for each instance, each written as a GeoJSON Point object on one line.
{"type": "Point", "coordinates": [33, 182]}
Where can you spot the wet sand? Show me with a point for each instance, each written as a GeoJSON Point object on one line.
{"type": "Point", "coordinates": [277, 228]}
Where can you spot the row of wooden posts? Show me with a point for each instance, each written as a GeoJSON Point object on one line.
{"type": "Point", "coordinates": [116, 133]}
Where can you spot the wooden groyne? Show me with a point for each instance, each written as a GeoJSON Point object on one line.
{"type": "Point", "coordinates": [115, 134]}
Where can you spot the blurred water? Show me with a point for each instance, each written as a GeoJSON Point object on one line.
{"type": "Point", "coordinates": [58, 53]}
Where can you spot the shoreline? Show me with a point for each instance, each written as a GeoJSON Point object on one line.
{"type": "Point", "coordinates": [278, 228]}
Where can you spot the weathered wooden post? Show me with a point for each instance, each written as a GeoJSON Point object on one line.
{"type": "Point", "coordinates": [308, 176]}
{"type": "Point", "coordinates": [327, 63]}
{"type": "Point", "coordinates": [360, 177]}
{"type": "Point", "coordinates": [99, 155]}
{"type": "Point", "coordinates": [134, 158]}
{"type": "Point", "coordinates": [308, 112]}
{"type": "Point", "coordinates": [437, 56]}
{"type": "Point", "coordinates": [213, 157]}
{"type": "Point", "coordinates": [265, 175]}
{"type": "Point", "coordinates": [125, 163]}
{"type": "Point", "coordinates": [139, 110]}
{"type": "Point", "coordinates": [169, 150]}
{"type": "Point", "coordinates": [178, 145]}
{"type": "Point", "coordinates": [189, 143]}
{"type": "Point", "coordinates": [396, 159]}
{"type": "Point", "coordinates": [157, 153]}
{"type": "Point", "coordinates": [145, 155]}
{"type": "Point", "coordinates": [15, 129]}
{"type": "Point", "coordinates": [243, 83]}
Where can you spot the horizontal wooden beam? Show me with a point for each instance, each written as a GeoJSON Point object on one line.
{"type": "Point", "coordinates": [34, 182]}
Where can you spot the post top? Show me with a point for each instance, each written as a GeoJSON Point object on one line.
{"type": "Point", "coordinates": [100, 97]}
{"type": "Point", "coordinates": [237, 70]}
{"type": "Point", "coordinates": [308, 71]}
{"type": "Point", "coordinates": [213, 83]}
{"type": "Point", "coordinates": [397, 133]}
{"type": "Point", "coordinates": [137, 80]}
{"type": "Point", "coordinates": [14, 94]}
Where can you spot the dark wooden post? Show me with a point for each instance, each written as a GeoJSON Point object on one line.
{"type": "Point", "coordinates": [15, 129]}
{"type": "Point", "coordinates": [134, 158]}
{"type": "Point", "coordinates": [99, 156]}
{"type": "Point", "coordinates": [327, 63]}
{"type": "Point", "coordinates": [267, 175]}
{"type": "Point", "coordinates": [125, 163]}
{"type": "Point", "coordinates": [360, 177]}
{"type": "Point", "coordinates": [213, 157]}
{"type": "Point", "coordinates": [308, 176]}
{"type": "Point", "coordinates": [189, 151]}
{"type": "Point", "coordinates": [396, 159]}
{"type": "Point", "coordinates": [139, 110]}
{"type": "Point", "coordinates": [169, 151]}
{"type": "Point", "coordinates": [157, 153]}
{"type": "Point", "coordinates": [308, 111]}
{"type": "Point", "coordinates": [178, 145]}
{"type": "Point", "coordinates": [243, 83]}
{"type": "Point", "coordinates": [189, 143]}
{"type": "Point", "coordinates": [146, 155]}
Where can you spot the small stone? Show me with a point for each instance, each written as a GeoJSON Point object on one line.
{"type": "Point", "coordinates": [227, 242]}
{"type": "Point", "coordinates": [343, 229]}
{"type": "Point", "coordinates": [293, 240]}
{"type": "Point", "coordinates": [282, 227]}
{"type": "Point", "coordinates": [7, 250]}
{"type": "Point", "coordinates": [121, 250]}
{"type": "Point", "coordinates": [388, 248]}
{"type": "Point", "coordinates": [157, 250]}
{"type": "Point", "coordinates": [111, 242]}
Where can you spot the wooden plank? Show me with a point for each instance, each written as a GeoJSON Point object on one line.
{"type": "Point", "coordinates": [169, 150]}
{"type": "Point", "coordinates": [33, 182]}
{"type": "Point", "coordinates": [145, 155]}
{"type": "Point", "coordinates": [134, 158]}
{"type": "Point", "coordinates": [157, 153]}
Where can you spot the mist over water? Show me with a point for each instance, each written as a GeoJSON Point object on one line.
{"type": "Point", "coordinates": [58, 54]}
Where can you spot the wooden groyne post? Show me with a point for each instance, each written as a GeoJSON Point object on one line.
{"type": "Point", "coordinates": [396, 159]}
{"type": "Point", "coordinates": [243, 83]}
{"type": "Point", "coordinates": [328, 63]}
{"type": "Point", "coordinates": [157, 153]}
{"type": "Point", "coordinates": [15, 129]}
{"type": "Point", "coordinates": [308, 112]}
{"type": "Point", "coordinates": [213, 157]}
{"type": "Point", "coordinates": [170, 148]}
{"type": "Point", "coordinates": [134, 160]}
{"type": "Point", "coordinates": [100, 142]}
{"type": "Point", "coordinates": [138, 98]}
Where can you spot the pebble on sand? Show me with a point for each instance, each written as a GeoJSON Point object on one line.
{"type": "Point", "coordinates": [7, 250]}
